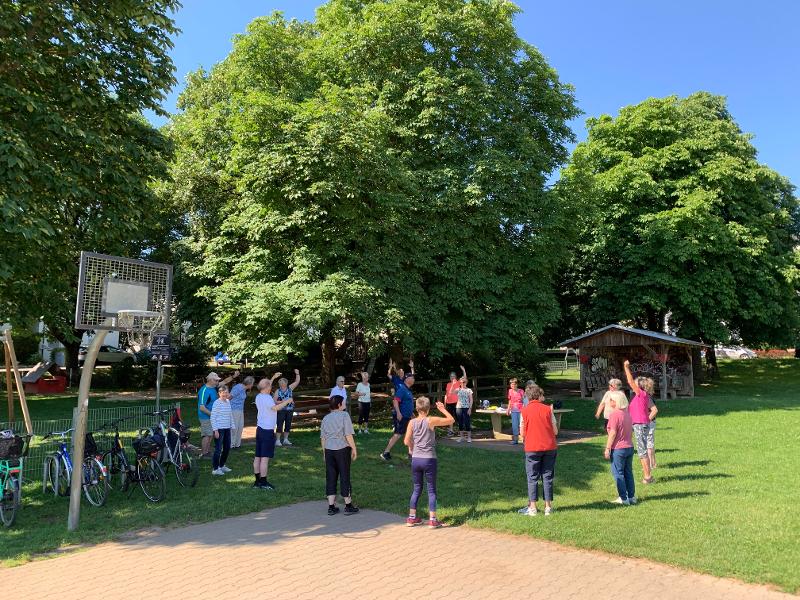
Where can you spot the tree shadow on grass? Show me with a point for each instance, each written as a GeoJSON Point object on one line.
{"type": "Point", "coordinates": [694, 477]}
{"type": "Point", "coordinates": [608, 505]}
{"type": "Point", "coordinates": [684, 463]}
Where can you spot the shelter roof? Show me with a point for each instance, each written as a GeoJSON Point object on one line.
{"type": "Point", "coordinates": [628, 335]}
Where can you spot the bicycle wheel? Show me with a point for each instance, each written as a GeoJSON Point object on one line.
{"type": "Point", "coordinates": [61, 476]}
{"type": "Point", "coordinates": [116, 470]}
{"type": "Point", "coordinates": [151, 478]}
{"type": "Point", "coordinates": [9, 503]}
{"type": "Point", "coordinates": [95, 487]}
{"type": "Point", "coordinates": [186, 470]}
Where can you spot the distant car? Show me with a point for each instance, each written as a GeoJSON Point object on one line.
{"type": "Point", "coordinates": [735, 352]}
{"type": "Point", "coordinates": [222, 359]}
{"type": "Point", "coordinates": [109, 355]}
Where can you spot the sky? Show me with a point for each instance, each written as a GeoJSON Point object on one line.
{"type": "Point", "coordinates": [614, 52]}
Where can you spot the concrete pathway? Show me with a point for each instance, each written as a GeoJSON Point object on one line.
{"type": "Point", "coordinates": [298, 552]}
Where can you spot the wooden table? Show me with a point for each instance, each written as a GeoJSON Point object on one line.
{"type": "Point", "coordinates": [497, 420]}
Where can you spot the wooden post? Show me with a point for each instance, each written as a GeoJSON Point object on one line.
{"type": "Point", "coordinates": [79, 434]}
{"type": "Point", "coordinates": [9, 385]}
{"type": "Point", "coordinates": [23, 402]}
{"type": "Point", "coordinates": [663, 371]}
{"type": "Point", "coordinates": [691, 373]}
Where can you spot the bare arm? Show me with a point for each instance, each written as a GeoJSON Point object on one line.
{"type": "Point", "coordinates": [553, 420]}
{"type": "Point", "coordinates": [230, 378]}
{"type": "Point", "coordinates": [407, 440]}
{"type": "Point", "coordinates": [444, 421]}
{"type": "Point", "coordinates": [391, 370]}
{"type": "Point", "coordinates": [411, 365]}
{"type": "Point", "coordinates": [653, 410]}
{"type": "Point", "coordinates": [463, 371]}
{"type": "Point", "coordinates": [612, 437]}
{"type": "Point", "coordinates": [600, 408]}
{"type": "Point", "coordinates": [352, 443]}
{"type": "Point", "coordinates": [280, 405]}
{"type": "Point", "coordinates": [629, 376]}
{"type": "Point", "coordinates": [296, 381]}
{"type": "Point", "coordinates": [396, 404]}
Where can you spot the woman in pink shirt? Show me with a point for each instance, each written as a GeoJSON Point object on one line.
{"type": "Point", "coordinates": [643, 413]}
{"type": "Point", "coordinates": [619, 450]}
{"type": "Point", "coordinates": [514, 409]}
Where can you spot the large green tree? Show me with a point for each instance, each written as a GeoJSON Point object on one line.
{"type": "Point", "coordinates": [681, 223]}
{"type": "Point", "coordinates": [383, 167]}
{"type": "Point", "coordinates": [77, 160]}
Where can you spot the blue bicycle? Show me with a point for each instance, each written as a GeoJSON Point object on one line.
{"type": "Point", "coordinates": [57, 470]}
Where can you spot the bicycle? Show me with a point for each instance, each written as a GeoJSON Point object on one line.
{"type": "Point", "coordinates": [12, 451]}
{"type": "Point", "coordinates": [148, 471]}
{"type": "Point", "coordinates": [57, 470]}
{"type": "Point", "coordinates": [176, 448]}
{"type": "Point", "coordinates": [115, 459]}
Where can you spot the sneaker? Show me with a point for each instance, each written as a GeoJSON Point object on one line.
{"type": "Point", "coordinates": [366, 431]}
{"type": "Point", "coordinates": [332, 510]}
{"type": "Point", "coordinates": [278, 444]}
{"type": "Point", "coordinates": [350, 510]}
{"type": "Point", "coordinates": [386, 456]}
{"type": "Point", "coordinates": [287, 443]}
{"type": "Point", "coordinates": [523, 511]}
{"type": "Point", "coordinates": [548, 510]}
{"type": "Point", "coordinates": [225, 469]}
{"type": "Point", "coordinates": [513, 443]}
{"type": "Point", "coordinates": [532, 512]}
{"type": "Point", "coordinates": [266, 485]}
{"type": "Point", "coordinates": [648, 481]}
{"type": "Point", "coordinates": [633, 500]}
{"type": "Point", "coordinates": [413, 521]}
{"type": "Point", "coordinates": [620, 501]}
{"type": "Point", "coordinates": [469, 440]}
{"type": "Point", "coordinates": [434, 523]}
{"type": "Point", "coordinates": [450, 433]}
{"type": "Point", "coordinates": [459, 440]}
{"type": "Point", "coordinates": [218, 472]}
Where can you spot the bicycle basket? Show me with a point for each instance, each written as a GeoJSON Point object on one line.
{"type": "Point", "coordinates": [90, 446]}
{"type": "Point", "coordinates": [145, 446]}
{"type": "Point", "coordinates": [13, 447]}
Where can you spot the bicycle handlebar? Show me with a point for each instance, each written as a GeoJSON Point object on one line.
{"type": "Point", "coordinates": [61, 434]}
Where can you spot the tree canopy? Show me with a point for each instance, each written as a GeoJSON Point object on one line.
{"type": "Point", "coordinates": [76, 158]}
{"type": "Point", "coordinates": [681, 223]}
{"type": "Point", "coordinates": [383, 167]}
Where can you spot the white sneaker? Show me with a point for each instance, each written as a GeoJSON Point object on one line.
{"type": "Point", "coordinates": [286, 442]}
{"type": "Point", "coordinates": [366, 431]}
{"type": "Point", "coordinates": [523, 511]}
{"type": "Point", "coordinates": [620, 501]}
{"type": "Point", "coordinates": [218, 472]}
{"type": "Point", "coordinates": [225, 469]}
{"type": "Point", "coordinates": [532, 512]}
{"type": "Point", "coordinates": [548, 510]}
{"type": "Point", "coordinates": [278, 444]}
{"type": "Point", "coordinates": [632, 500]}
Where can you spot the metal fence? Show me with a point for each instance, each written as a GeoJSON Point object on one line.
{"type": "Point", "coordinates": [137, 418]}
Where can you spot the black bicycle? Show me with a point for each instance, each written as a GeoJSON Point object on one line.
{"type": "Point", "coordinates": [146, 470]}
{"type": "Point", "coordinates": [176, 447]}
{"type": "Point", "coordinates": [116, 460]}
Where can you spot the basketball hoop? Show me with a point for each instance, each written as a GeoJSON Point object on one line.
{"type": "Point", "coordinates": [140, 325]}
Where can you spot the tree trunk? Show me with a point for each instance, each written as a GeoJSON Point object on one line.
{"type": "Point", "coordinates": [697, 366]}
{"type": "Point", "coordinates": [328, 371]}
{"type": "Point", "coordinates": [652, 320]}
{"type": "Point", "coordinates": [71, 348]}
{"type": "Point", "coordinates": [711, 361]}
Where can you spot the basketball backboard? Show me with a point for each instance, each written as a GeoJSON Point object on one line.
{"type": "Point", "coordinates": [109, 284]}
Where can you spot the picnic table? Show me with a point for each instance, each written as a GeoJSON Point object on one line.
{"type": "Point", "coordinates": [497, 415]}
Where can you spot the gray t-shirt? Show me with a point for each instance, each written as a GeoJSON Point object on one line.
{"type": "Point", "coordinates": [424, 439]}
{"type": "Point", "coordinates": [334, 427]}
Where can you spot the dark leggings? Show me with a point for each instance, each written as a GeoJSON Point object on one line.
{"type": "Point", "coordinates": [284, 421]}
{"type": "Point", "coordinates": [222, 445]}
{"type": "Point", "coordinates": [426, 467]}
{"type": "Point", "coordinates": [451, 408]}
{"type": "Point", "coordinates": [337, 466]}
{"type": "Point", "coordinates": [464, 419]}
{"type": "Point", "coordinates": [363, 412]}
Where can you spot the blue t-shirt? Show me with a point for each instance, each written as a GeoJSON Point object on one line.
{"type": "Point", "coordinates": [206, 397]}
{"type": "Point", "coordinates": [406, 400]}
{"type": "Point", "coordinates": [238, 397]}
{"type": "Point", "coordinates": [285, 395]}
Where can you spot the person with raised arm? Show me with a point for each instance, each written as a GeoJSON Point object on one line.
{"type": "Point", "coordinates": [643, 413]}
{"type": "Point", "coordinates": [266, 420]}
{"type": "Point", "coordinates": [451, 396]}
{"type": "Point", "coordinates": [363, 394]}
{"type": "Point", "coordinates": [402, 406]}
{"type": "Point", "coordinates": [286, 392]}
{"type": "Point", "coordinates": [514, 410]}
{"type": "Point", "coordinates": [420, 438]}
{"type": "Point", "coordinates": [206, 396]}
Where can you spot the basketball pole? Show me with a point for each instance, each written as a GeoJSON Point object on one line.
{"type": "Point", "coordinates": [79, 435]}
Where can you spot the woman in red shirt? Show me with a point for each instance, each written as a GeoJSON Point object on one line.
{"type": "Point", "coordinates": [540, 431]}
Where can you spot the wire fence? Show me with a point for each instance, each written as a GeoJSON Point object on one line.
{"type": "Point", "coordinates": [137, 417]}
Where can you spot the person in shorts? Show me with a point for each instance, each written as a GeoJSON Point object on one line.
{"type": "Point", "coordinates": [206, 396]}
{"type": "Point", "coordinates": [266, 420]}
{"type": "Point", "coordinates": [643, 413]}
{"type": "Point", "coordinates": [339, 447]}
{"type": "Point", "coordinates": [238, 398]}
{"type": "Point", "coordinates": [403, 410]}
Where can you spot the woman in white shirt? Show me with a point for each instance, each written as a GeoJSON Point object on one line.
{"type": "Point", "coordinates": [362, 393]}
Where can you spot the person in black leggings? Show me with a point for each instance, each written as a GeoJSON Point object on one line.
{"type": "Point", "coordinates": [339, 447]}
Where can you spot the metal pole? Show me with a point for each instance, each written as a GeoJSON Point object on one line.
{"type": "Point", "coordinates": [158, 385]}
{"type": "Point", "coordinates": [79, 435]}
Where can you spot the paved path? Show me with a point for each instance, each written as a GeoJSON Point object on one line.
{"type": "Point", "coordinates": [298, 552]}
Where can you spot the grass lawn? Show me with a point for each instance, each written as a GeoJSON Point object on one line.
{"type": "Point", "coordinates": [723, 502]}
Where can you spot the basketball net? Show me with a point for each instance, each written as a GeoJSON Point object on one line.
{"type": "Point", "coordinates": [140, 325]}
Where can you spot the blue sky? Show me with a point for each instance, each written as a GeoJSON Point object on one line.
{"type": "Point", "coordinates": [615, 53]}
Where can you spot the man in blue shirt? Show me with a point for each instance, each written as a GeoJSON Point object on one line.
{"type": "Point", "coordinates": [206, 397]}
{"type": "Point", "coordinates": [403, 405]}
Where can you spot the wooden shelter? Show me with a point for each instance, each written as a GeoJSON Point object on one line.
{"type": "Point", "coordinates": [665, 358]}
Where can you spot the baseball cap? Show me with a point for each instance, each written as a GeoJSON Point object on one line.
{"type": "Point", "coordinates": [213, 375]}
{"type": "Point", "coordinates": [407, 375]}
